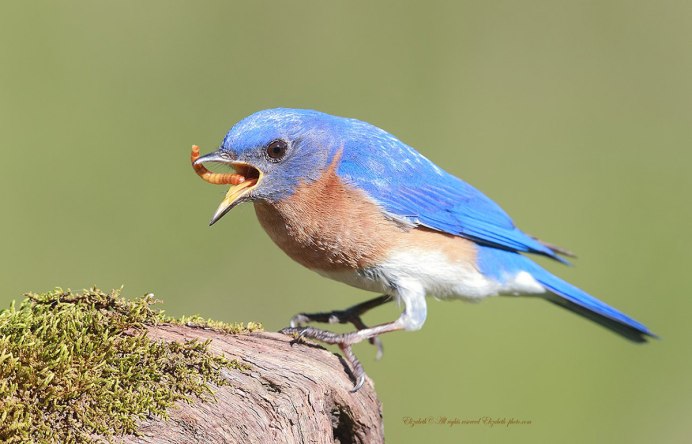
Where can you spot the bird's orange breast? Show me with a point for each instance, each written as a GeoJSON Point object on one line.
{"type": "Point", "coordinates": [328, 225]}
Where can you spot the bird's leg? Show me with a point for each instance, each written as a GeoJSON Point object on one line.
{"type": "Point", "coordinates": [352, 314]}
{"type": "Point", "coordinates": [345, 341]}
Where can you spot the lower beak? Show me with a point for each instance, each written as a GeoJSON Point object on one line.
{"type": "Point", "coordinates": [234, 196]}
{"type": "Point", "coordinates": [244, 178]}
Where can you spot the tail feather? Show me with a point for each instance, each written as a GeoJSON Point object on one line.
{"type": "Point", "coordinates": [578, 301]}
{"type": "Point", "coordinates": [502, 264]}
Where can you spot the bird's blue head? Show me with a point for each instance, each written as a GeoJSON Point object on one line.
{"type": "Point", "coordinates": [275, 150]}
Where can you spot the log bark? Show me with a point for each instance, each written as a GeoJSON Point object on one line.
{"type": "Point", "coordinates": [292, 394]}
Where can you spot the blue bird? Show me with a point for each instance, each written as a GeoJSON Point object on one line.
{"type": "Point", "coordinates": [353, 203]}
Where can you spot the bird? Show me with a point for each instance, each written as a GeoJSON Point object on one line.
{"type": "Point", "coordinates": [355, 204]}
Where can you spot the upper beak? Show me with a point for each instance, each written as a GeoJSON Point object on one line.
{"type": "Point", "coordinates": [244, 178]}
{"type": "Point", "coordinates": [216, 156]}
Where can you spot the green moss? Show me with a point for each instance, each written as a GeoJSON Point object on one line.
{"type": "Point", "coordinates": [210, 324]}
{"type": "Point", "coordinates": [77, 365]}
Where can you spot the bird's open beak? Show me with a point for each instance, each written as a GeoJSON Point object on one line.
{"type": "Point", "coordinates": [244, 178]}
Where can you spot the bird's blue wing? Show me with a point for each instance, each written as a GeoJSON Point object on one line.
{"type": "Point", "coordinates": [409, 186]}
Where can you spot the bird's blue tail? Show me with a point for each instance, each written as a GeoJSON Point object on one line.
{"type": "Point", "coordinates": [578, 301]}
{"type": "Point", "coordinates": [505, 263]}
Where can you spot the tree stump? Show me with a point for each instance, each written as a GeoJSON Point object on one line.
{"type": "Point", "coordinates": [296, 393]}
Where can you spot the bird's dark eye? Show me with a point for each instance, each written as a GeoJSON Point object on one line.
{"type": "Point", "coordinates": [276, 150]}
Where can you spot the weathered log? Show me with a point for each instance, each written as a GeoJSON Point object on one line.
{"type": "Point", "coordinates": [296, 393]}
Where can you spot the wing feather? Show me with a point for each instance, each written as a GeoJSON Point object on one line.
{"type": "Point", "coordinates": [411, 187]}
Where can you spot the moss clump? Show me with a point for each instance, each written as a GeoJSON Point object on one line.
{"type": "Point", "coordinates": [73, 366]}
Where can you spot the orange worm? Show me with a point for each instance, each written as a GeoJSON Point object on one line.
{"type": "Point", "coordinates": [215, 178]}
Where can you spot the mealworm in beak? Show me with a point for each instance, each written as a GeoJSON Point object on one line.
{"type": "Point", "coordinates": [214, 178]}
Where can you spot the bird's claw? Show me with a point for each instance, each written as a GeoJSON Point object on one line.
{"type": "Point", "coordinates": [332, 317]}
{"type": "Point", "coordinates": [343, 340]}
{"type": "Point", "coordinates": [299, 319]}
{"type": "Point", "coordinates": [377, 342]}
{"type": "Point", "coordinates": [359, 383]}
{"type": "Point", "coordinates": [325, 336]}
{"type": "Point", "coordinates": [350, 315]}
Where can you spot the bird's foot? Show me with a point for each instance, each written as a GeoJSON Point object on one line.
{"type": "Point", "coordinates": [338, 317]}
{"type": "Point", "coordinates": [350, 315]}
{"type": "Point", "coordinates": [343, 340]}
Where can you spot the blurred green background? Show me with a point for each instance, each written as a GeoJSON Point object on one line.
{"type": "Point", "coordinates": [575, 116]}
